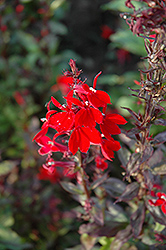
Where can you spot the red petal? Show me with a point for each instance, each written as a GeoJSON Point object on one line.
{"type": "Point", "coordinates": [163, 208]}
{"type": "Point", "coordinates": [99, 98]}
{"type": "Point", "coordinates": [84, 117]}
{"type": "Point", "coordinates": [40, 134]}
{"type": "Point", "coordinates": [160, 194]}
{"type": "Point", "coordinates": [44, 151]}
{"type": "Point", "coordinates": [108, 146]}
{"type": "Point", "coordinates": [74, 142]}
{"type": "Point", "coordinates": [56, 103]}
{"type": "Point", "coordinates": [97, 115]}
{"type": "Point", "coordinates": [109, 128]}
{"type": "Point", "coordinates": [92, 134]}
{"type": "Point", "coordinates": [62, 121]}
{"type": "Point", "coordinates": [84, 141]}
{"type": "Point", "coordinates": [159, 202]}
{"type": "Point", "coordinates": [116, 118]}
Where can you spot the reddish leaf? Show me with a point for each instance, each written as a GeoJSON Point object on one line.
{"type": "Point", "coordinates": [130, 192]}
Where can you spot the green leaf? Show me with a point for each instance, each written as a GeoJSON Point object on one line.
{"type": "Point", "coordinates": [126, 40]}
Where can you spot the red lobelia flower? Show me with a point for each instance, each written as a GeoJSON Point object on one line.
{"type": "Point", "coordinates": [49, 146]}
{"type": "Point", "coordinates": [44, 174]}
{"type": "Point", "coordinates": [81, 138]}
{"type": "Point", "coordinates": [101, 162]}
{"type": "Point", "coordinates": [109, 125]}
{"type": "Point", "coordinates": [161, 201]}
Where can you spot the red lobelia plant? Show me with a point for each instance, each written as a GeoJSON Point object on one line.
{"type": "Point", "coordinates": [83, 132]}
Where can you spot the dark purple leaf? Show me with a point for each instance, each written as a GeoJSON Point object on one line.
{"type": "Point", "coordinates": [99, 181]}
{"type": "Point", "coordinates": [129, 193]}
{"type": "Point", "coordinates": [123, 155]}
{"type": "Point", "coordinates": [98, 215]}
{"type": "Point", "coordinates": [149, 178]}
{"type": "Point", "coordinates": [133, 163]}
{"type": "Point", "coordinates": [71, 188]}
{"type": "Point", "coordinates": [160, 138]}
{"type": "Point", "coordinates": [147, 153]}
{"type": "Point", "coordinates": [160, 121]}
{"type": "Point", "coordinates": [110, 229]}
{"type": "Point", "coordinates": [121, 237]}
{"type": "Point", "coordinates": [114, 187]}
{"type": "Point", "coordinates": [137, 220]}
{"type": "Point", "coordinates": [134, 115]}
{"type": "Point", "coordinates": [155, 158]}
{"type": "Point", "coordinates": [133, 131]}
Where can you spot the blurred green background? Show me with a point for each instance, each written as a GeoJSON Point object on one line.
{"type": "Point", "coordinates": [37, 40]}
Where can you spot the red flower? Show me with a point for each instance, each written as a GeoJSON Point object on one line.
{"type": "Point", "coordinates": [108, 146]}
{"type": "Point", "coordinates": [100, 163]}
{"type": "Point", "coordinates": [41, 11]}
{"type": "Point", "coordinates": [3, 28]}
{"type": "Point", "coordinates": [109, 125]}
{"type": "Point", "coordinates": [106, 31]}
{"type": "Point", "coordinates": [161, 201]}
{"type": "Point", "coordinates": [123, 56]}
{"type": "Point", "coordinates": [44, 174]}
{"type": "Point", "coordinates": [81, 138]}
{"type": "Point", "coordinates": [49, 146]}
{"type": "Point", "coordinates": [97, 98]}
{"type": "Point", "coordinates": [63, 84]}
{"type": "Point", "coordinates": [19, 8]}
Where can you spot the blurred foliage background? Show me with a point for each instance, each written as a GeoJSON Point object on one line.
{"type": "Point", "coordinates": [37, 40]}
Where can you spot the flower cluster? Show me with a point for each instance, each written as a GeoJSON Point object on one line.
{"type": "Point", "coordinates": [81, 122]}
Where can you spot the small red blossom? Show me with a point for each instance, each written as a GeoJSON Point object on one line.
{"type": "Point", "coordinates": [3, 28]}
{"type": "Point", "coordinates": [41, 11]}
{"type": "Point", "coordinates": [19, 8]}
{"type": "Point", "coordinates": [44, 32]}
{"type": "Point", "coordinates": [44, 174]}
{"type": "Point", "coordinates": [63, 84]}
{"type": "Point", "coordinates": [49, 146]}
{"type": "Point", "coordinates": [161, 201]}
{"type": "Point", "coordinates": [123, 56]}
{"type": "Point", "coordinates": [106, 31]}
{"type": "Point", "coordinates": [101, 163]}
{"type": "Point", "coordinates": [19, 98]}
